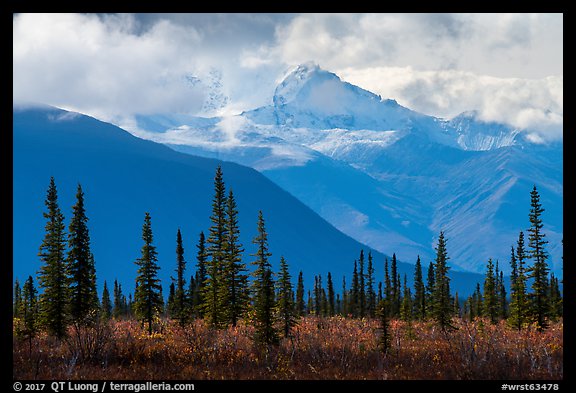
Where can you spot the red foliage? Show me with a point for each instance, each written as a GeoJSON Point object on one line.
{"type": "Point", "coordinates": [320, 348]}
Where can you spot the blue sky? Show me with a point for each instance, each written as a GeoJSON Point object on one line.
{"type": "Point", "coordinates": [507, 66]}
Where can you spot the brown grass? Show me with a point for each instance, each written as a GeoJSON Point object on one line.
{"type": "Point", "coordinates": [321, 348]}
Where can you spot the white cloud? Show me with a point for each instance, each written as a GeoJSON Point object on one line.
{"type": "Point", "coordinates": [508, 66]}
{"type": "Point", "coordinates": [98, 65]}
{"type": "Point", "coordinates": [532, 104]}
{"type": "Point", "coordinates": [504, 45]}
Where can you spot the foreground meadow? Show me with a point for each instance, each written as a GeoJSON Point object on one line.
{"type": "Point", "coordinates": [320, 348]}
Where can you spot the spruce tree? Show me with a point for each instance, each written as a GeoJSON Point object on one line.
{"type": "Point", "coordinates": [344, 307]}
{"type": "Point", "coordinates": [300, 306]}
{"type": "Point", "coordinates": [199, 289]}
{"type": "Point", "coordinates": [118, 309]}
{"type": "Point", "coordinates": [28, 326]}
{"type": "Point", "coordinates": [361, 287]}
{"type": "Point", "coordinates": [387, 284]}
{"type": "Point", "coordinates": [106, 309]}
{"type": "Point", "coordinates": [478, 302]}
{"type": "Point", "coordinates": [519, 305]}
{"type": "Point", "coordinates": [53, 278]}
{"type": "Point", "coordinates": [148, 301]}
{"type": "Point", "coordinates": [324, 303]}
{"type": "Point", "coordinates": [457, 305]}
{"type": "Point", "coordinates": [331, 304]}
{"type": "Point", "coordinates": [17, 303]}
{"type": "Point", "coordinates": [395, 294]}
{"type": "Point", "coordinates": [502, 302]}
{"type": "Point", "coordinates": [430, 283]}
{"type": "Point", "coordinates": [490, 297]}
{"type": "Point", "coordinates": [213, 306]}
{"type": "Point", "coordinates": [538, 272]}
{"type": "Point", "coordinates": [442, 306]}
{"type": "Point", "coordinates": [406, 307]}
{"type": "Point", "coordinates": [285, 306]}
{"type": "Point", "coordinates": [419, 292]}
{"type": "Point", "coordinates": [556, 308]}
{"type": "Point", "coordinates": [317, 295]}
{"type": "Point", "coordinates": [380, 296]}
{"type": "Point", "coordinates": [234, 286]}
{"type": "Point", "coordinates": [370, 293]}
{"type": "Point", "coordinates": [171, 304]}
{"type": "Point", "coordinates": [83, 300]}
{"type": "Point", "coordinates": [384, 339]}
{"type": "Point", "coordinates": [263, 289]}
{"type": "Point", "coordinates": [180, 310]}
{"type": "Point", "coordinates": [355, 295]}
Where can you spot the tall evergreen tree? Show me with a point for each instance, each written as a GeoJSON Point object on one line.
{"type": "Point", "coordinates": [300, 306]}
{"type": "Point", "coordinates": [345, 309]}
{"type": "Point", "coordinates": [385, 338]}
{"type": "Point", "coordinates": [331, 304]}
{"type": "Point", "coordinates": [199, 289]}
{"type": "Point", "coordinates": [317, 295]}
{"type": "Point", "coordinates": [28, 326]}
{"type": "Point", "coordinates": [17, 303]}
{"type": "Point", "coordinates": [519, 306]}
{"type": "Point", "coordinates": [442, 305]}
{"type": "Point", "coordinates": [406, 307]}
{"type": "Point", "coordinates": [285, 306]}
{"type": "Point", "coordinates": [323, 302]}
{"type": "Point", "coordinates": [234, 287]}
{"type": "Point", "coordinates": [171, 311]}
{"type": "Point", "coordinates": [380, 296]}
{"type": "Point", "coordinates": [395, 294]}
{"type": "Point", "coordinates": [106, 309]}
{"type": "Point", "coordinates": [118, 308]}
{"type": "Point", "coordinates": [53, 278]}
{"type": "Point", "coordinates": [502, 302]}
{"type": "Point", "coordinates": [457, 305]}
{"type": "Point", "coordinates": [555, 296]}
{"type": "Point", "coordinates": [81, 269]}
{"type": "Point", "coordinates": [355, 292]}
{"type": "Point", "coordinates": [387, 285]}
{"type": "Point", "coordinates": [490, 298]}
{"type": "Point", "coordinates": [370, 293]}
{"type": "Point", "coordinates": [361, 287]}
{"type": "Point", "coordinates": [178, 309]}
{"type": "Point", "coordinates": [430, 283]}
{"type": "Point", "coordinates": [148, 301]}
{"type": "Point", "coordinates": [213, 305]}
{"type": "Point", "coordinates": [538, 272]}
{"type": "Point", "coordinates": [419, 292]}
{"type": "Point", "coordinates": [263, 289]}
{"type": "Point", "coordinates": [478, 302]}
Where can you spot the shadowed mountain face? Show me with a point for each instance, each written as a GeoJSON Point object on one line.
{"type": "Point", "coordinates": [383, 174]}
{"type": "Point", "coordinates": [123, 177]}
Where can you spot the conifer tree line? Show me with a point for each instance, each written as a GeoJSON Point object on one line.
{"type": "Point", "coordinates": [223, 291]}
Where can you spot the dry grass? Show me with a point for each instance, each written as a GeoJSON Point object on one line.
{"type": "Point", "coordinates": [321, 348]}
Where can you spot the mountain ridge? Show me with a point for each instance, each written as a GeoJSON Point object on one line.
{"type": "Point", "coordinates": [358, 136]}
{"type": "Point", "coordinates": [123, 176]}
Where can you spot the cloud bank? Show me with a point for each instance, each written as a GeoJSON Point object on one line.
{"type": "Point", "coordinates": [509, 67]}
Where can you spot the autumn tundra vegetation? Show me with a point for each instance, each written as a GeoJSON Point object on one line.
{"type": "Point", "coordinates": [226, 321]}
